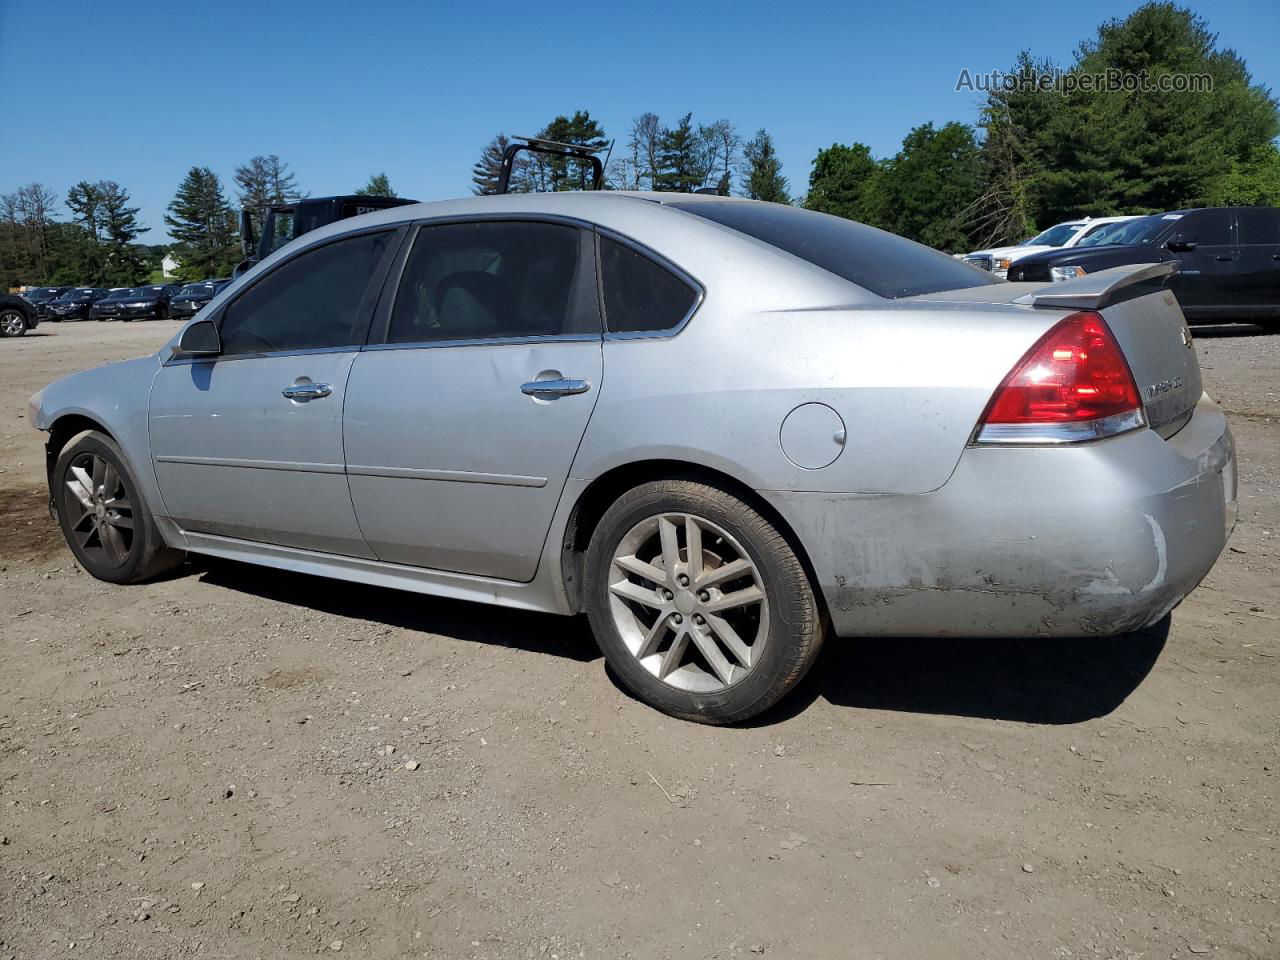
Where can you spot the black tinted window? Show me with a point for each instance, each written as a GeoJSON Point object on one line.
{"type": "Point", "coordinates": [308, 302]}
{"type": "Point", "coordinates": [1211, 228]}
{"type": "Point", "coordinates": [885, 264]}
{"type": "Point", "coordinates": [640, 295]}
{"type": "Point", "coordinates": [1258, 225]}
{"type": "Point", "coordinates": [466, 281]}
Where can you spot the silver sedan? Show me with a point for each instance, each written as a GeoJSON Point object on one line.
{"type": "Point", "coordinates": [722, 429]}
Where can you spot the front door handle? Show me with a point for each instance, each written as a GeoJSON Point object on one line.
{"type": "Point", "coordinates": [550, 389]}
{"type": "Point", "coordinates": [306, 390]}
{"type": "Point", "coordinates": [1224, 257]}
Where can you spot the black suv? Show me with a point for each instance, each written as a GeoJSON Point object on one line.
{"type": "Point", "coordinates": [75, 303]}
{"type": "Point", "coordinates": [1228, 257]}
{"type": "Point", "coordinates": [188, 301]}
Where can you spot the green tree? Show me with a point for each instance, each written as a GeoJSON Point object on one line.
{"type": "Point", "coordinates": [488, 169]}
{"type": "Point", "coordinates": [265, 181]}
{"type": "Point", "coordinates": [124, 262]}
{"type": "Point", "coordinates": [84, 200]}
{"type": "Point", "coordinates": [27, 233]}
{"type": "Point", "coordinates": [763, 175]}
{"type": "Point", "coordinates": [551, 173]}
{"type": "Point", "coordinates": [843, 181]}
{"type": "Point", "coordinates": [1056, 153]}
{"type": "Point", "coordinates": [201, 221]}
{"type": "Point", "coordinates": [682, 162]}
{"type": "Point", "coordinates": [1255, 181]}
{"type": "Point", "coordinates": [379, 185]}
{"type": "Point", "coordinates": [926, 190]}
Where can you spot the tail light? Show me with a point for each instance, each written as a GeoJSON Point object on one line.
{"type": "Point", "coordinates": [1074, 384]}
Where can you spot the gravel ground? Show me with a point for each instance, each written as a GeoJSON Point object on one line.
{"type": "Point", "coordinates": [236, 762]}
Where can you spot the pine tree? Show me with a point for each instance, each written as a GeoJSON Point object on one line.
{"type": "Point", "coordinates": [550, 173]}
{"type": "Point", "coordinates": [764, 179]}
{"type": "Point", "coordinates": [263, 182]}
{"type": "Point", "coordinates": [202, 223]}
{"type": "Point", "coordinates": [85, 202]}
{"type": "Point", "coordinates": [488, 169]}
{"type": "Point", "coordinates": [681, 158]}
{"type": "Point", "coordinates": [124, 264]}
{"type": "Point", "coordinates": [379, 185]}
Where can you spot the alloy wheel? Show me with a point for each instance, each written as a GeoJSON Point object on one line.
{"type": "Point", "coordinates": [12, 323]}
{"type": "Point", "coordinates": [688, 602]}
{"type": "Point", "coordinates": [99, 512]}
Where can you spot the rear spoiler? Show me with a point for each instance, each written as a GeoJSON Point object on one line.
{"type": "Point", "coordinates": [1094, 291]}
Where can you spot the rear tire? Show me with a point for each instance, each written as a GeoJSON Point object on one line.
{"type": "Point", "coordinates": [727, 634]}
{"type": "Point", "coordinates": [102, 513]}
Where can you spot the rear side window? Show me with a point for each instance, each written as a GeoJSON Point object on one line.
{"type": "Point", "coordinates": [1258, 225]}
{"type": "Point", "coordinates": [887, 265]}
{"type": "Point", "coordinates": [492, 280]}
{"type": "Point", "coordinates": [640, 295]}
{"type": "Point", "coordinates": [311, 301]}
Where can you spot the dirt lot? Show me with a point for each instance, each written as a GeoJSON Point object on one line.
{"type": "Point", "coordinates": [214, 765]}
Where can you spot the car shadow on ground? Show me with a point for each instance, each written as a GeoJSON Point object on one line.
{"type": "Point", "coordinates": [567, 637]}
{"type": "Point", "coordinates": [1032, 680]}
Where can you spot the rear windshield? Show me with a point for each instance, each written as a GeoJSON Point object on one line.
{"type": "Point", "coordinates": [887, 265]}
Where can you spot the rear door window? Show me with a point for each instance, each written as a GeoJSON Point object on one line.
{"type": "Point", "coordinates": [490, 280]}
{"type": "Point", "coordinates": [1258, 226]}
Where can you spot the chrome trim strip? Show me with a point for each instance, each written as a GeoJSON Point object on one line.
{"type": "Point", "coordinates": [299, 466]}
{"type": "Point", "coordinates": [456, 476]}
{"type": "Point", "coordinates": [1057, 434]}
{"type": "Point", "coordinates": [179, 359]}
{"type": "Point", "coordinates": [486, 342]}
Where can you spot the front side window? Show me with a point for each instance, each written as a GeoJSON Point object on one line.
{"type": "Point", "coordinates": [311, 301]}
{"type": "Point", "coordinates": [1211, 228]}
{"type": "Point", "coordinates": [640, 295]}
{"type": "Point", "coordinates": [490, 279]}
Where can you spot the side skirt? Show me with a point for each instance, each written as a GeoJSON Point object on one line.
{"type": "Point", "coordinates": [536, 596]}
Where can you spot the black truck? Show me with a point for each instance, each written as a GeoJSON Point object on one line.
{"type": "Point", "coordinates": [1228, 261]}
{"type": "Point", "coordinates": [283, 222]}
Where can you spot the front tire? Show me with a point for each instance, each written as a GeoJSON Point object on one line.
{"type": "Point", "coordinates": [699, 603]}
{"type": "Point", "coordinates": [12, 323]}
{"type": "Point", "coordinates": [102, 514]}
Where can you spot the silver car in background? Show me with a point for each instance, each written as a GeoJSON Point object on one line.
{"type": "Point", "coordinates": [721, 428]}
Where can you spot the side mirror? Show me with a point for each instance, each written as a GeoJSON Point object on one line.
{"type": "Point", "coordinates": [201, 339]}
{"type": "Point", "coordinates": [1183, 241]}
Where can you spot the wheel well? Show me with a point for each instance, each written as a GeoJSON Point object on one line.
{"type": "Point", "coordinates": [61, 432]}
{"type": "Point", "coordinates": [606, 488]}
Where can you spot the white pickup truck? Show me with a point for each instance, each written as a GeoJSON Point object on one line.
{"type": "Point", "coordinates": [1067, 234]}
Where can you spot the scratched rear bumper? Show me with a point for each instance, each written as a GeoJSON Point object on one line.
{"type": "Point", "coordinates": [1097, 539]}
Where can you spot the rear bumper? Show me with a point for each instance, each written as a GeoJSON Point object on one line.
{"type": "Point", "coordinates": [1097, 539]}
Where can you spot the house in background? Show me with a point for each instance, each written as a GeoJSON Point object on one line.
{"type": "Point", "coordinates": [169, 266]}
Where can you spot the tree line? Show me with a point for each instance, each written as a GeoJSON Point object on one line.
{"type": "Point", "coordinates": [99, 244]}
{"type": "Point", "coordinates": [1039, 154]}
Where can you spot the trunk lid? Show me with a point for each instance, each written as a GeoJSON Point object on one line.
{"type": "Point", "coordinates": [1156, 341]}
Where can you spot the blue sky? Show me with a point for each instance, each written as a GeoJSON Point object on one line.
{"type": "Point", "coordinates": [138, 92]}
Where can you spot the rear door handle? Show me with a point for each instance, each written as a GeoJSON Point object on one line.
{"type": "Point", "coordinates": [1223, 257]}
{"type": "Point", "coordinates": [306, 390]}
{"type": "Point", "coordinates": [550, 389]}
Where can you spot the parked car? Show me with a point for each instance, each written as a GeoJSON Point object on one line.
{"type": "Point", "coordinates": [75, 304]}
{"type": "Point", "coordinates": [148, 303]}
{"type": "Point", "coordinates": [1227, 261]}
{"type": "Point", "coordinates": [190, 298]}
{"type": "Point", "coordinates": [108, 308]}
{"type": "Point", "coordinates": [1068, 234]}
{"type": "Point", "coordinates": [40, 297]}
{"type": "Point", "coordinates": [715, 425]}
{"type": "Point", "coordinates": [17, 316]}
